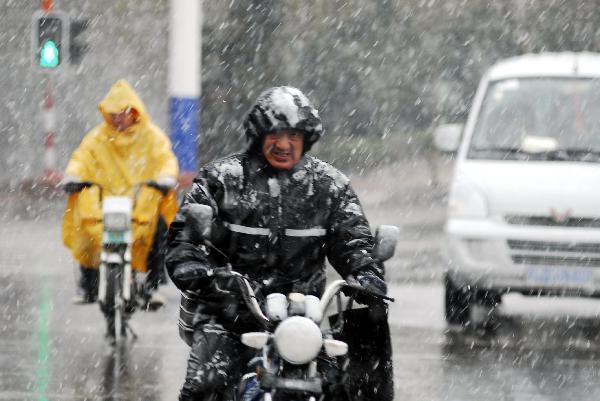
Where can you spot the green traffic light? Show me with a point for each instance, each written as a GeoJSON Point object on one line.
{"type": "Point", "coordinates": [49, 55]}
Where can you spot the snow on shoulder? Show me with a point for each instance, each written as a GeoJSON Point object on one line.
{"type": "Point", "coordinates": [226, 169]}
{"type": "Point", "coordinates": [339, 179]}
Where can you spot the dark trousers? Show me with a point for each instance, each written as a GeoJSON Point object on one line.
{"type": "Point", "coordinates": [217, 361]}
{"type": "Point", "coordinates": [156, 257]}
{"type": "Point", "coordinates": [88, 282]}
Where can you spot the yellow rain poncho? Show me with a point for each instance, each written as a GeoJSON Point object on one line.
{"type": "Point", "coordinates": [118, 161]}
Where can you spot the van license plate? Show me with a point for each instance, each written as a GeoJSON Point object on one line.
{"type": "Point", "coordinates": [557, 276]}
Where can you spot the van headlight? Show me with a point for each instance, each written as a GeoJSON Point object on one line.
{"type": "Point", "coordinates": [298, 340]}
{"type": "Point", "coordinates": [116, 222]}
{"type": "Point", "coordinates": [467, 201]}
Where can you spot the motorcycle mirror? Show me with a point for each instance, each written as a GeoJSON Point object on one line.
{"type": "Point", "coordinates": [200, 218]}
{"type": "Point", "coordinates": [385, 242]}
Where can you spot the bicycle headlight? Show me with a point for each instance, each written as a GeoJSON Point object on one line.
{"type": "Point", "coordinates": [298, 340]}
{"type": "Point", "coordinates": [116, 222]}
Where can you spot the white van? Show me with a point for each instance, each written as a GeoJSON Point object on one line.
{"type": "Point", "coordinates": [524, 201]}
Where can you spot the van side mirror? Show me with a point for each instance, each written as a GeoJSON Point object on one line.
{"type": "Point", "coordinates": [199, 217]}
{"type": "Point", "coordinates": [385, 242]}
{"type": "Point", "coordinates": [446, 137]}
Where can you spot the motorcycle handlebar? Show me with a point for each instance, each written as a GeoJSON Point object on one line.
{"type": "Point", "coordinates": [357, 288]}
{"type": "Point", "coordinates": [249, 295]}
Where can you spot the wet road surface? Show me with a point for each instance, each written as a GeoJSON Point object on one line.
{"type": "Point", "coordinates": [50, 349]}
{"type": "Point", "coordinates": [536, 349]}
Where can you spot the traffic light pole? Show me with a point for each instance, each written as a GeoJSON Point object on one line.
{"type": "Point", "coordinates": [50, 43]}
{"type": "Point", "coordinates": [45, 185]}
{"type": "Point", "coordinates": [51, 174]}
{"type": "Point", "coordinates": [49, 122]}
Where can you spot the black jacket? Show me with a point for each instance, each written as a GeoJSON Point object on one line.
{"type": "Point", "coordinates": [276, 226]}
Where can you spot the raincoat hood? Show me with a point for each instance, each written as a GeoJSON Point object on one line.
{"type": "Point", "coordinates": [283, 108]}
{"type": "Point", "coordinates": [120, 97]}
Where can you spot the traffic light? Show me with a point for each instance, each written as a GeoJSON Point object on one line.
{"type": "Point", "coordinates": [50, 39]}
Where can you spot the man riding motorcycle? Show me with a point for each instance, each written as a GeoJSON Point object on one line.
{"type": "Point", "coordinates": [278, 213]}
{"type": "Point", "coordinates": [125, 155]}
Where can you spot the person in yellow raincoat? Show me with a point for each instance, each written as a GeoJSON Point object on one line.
{"type": "Point", "coordinates": [125, 150]}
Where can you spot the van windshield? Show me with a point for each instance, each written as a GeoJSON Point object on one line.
{"type": "Point", "coordinates": [539, 119]}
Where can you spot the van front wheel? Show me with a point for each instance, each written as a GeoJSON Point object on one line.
{"type": "Point", "coordinates": [458, 303]}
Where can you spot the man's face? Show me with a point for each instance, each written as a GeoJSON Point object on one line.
{"type": "Point", "coordinates": [283, 149]}
{"type": "Point", "coordinates": [123, 120]}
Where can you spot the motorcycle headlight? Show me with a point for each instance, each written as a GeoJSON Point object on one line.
{"type": "Point", "coordinates": [298, 340]}
{"type": "Point", "coordinates": [116, 222]}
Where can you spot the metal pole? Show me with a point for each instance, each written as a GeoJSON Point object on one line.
{"type": "Point", "coordinates": [49, 121]}
{"type": "Point", "coordinates": [184, 84]}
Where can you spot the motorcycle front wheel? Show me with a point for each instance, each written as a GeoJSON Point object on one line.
{"type": "Point", "coordinates": [113, 307]}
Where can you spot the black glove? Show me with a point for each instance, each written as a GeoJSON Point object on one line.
{"type": "Point", "coordinates": [371, 282]}
{"type": "Point", "coordinates": [71, 187]}
{"type": "Point", "coordinates": [190, 276]}
{"type": "Point", "coordinates": [164, 189]}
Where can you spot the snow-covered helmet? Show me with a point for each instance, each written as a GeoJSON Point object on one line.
{"type": "Point", "coordinates": [283, 108]}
